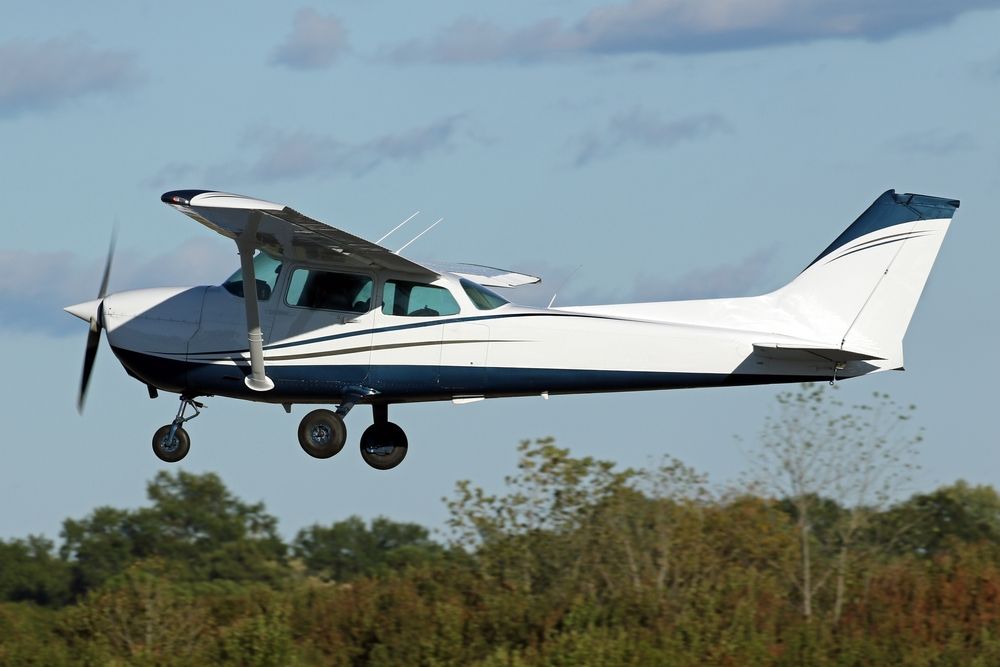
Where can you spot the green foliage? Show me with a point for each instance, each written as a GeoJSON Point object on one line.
{"type": "Point", "coordinates": [29, 570]}
{"type": "Point", "coordinates": [931, 523]}
{"type": "Point", "coordinates": [139, 616]}
{"type": "Point", "coordinates": [572, 562]}
{"type": "Point", "coordinates": [194, 524]}
{"type": "Point", "coordinates": [259, 639]}
{"type": "Point", "coordinates": [349, 549]}
{"type": "Point", "coordinates": [833, 467]}
{"type": "Point", "coordinates": [29, 636]}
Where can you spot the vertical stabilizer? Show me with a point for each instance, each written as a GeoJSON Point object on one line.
{"type": "Point", "coordinates": [861, 291]}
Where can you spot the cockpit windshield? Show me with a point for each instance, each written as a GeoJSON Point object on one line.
{"type": "Point", "coordinates": [266, 269]}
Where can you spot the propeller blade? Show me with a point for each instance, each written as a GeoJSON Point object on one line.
{"type": "Point", "coordinates": [96, 324]}
{"type": "Point", "coordinates": [107, 264]}
{"type": "Point", "coordinates": [93, 341]}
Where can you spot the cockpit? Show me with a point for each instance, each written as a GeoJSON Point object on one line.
{"type": "Point", "coordinates": [266, 269]}
{"type": "Point", "coordinates": [356, 293]}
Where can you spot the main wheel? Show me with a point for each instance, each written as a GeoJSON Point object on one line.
{"type": "Point", "coordinates": [322, 433]}
{"type": "Point", "coordinates": [174, 450]}
{"type": "Point", "coordinates": [383, 446]}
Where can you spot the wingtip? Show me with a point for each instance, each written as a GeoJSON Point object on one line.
{"type": "Point", "coordinates": [181, 197]}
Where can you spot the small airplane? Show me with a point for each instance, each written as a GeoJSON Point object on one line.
{"type": "Point", "coordinates": [316, 315]}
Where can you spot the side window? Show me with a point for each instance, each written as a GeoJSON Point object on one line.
{"type": "Point", "coordinates": [265, 268]}
{"type": "Point", "coordinates": [400, 297]}
{"type": "Point", "coordinates": [309, 288]}
{"type": "Point", "coordinates": [482, 298]}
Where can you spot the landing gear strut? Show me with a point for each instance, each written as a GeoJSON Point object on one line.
{"type": "Point", "coordinates": [171, 442]}
{"type": "Point", "coordinates": [383, 444]}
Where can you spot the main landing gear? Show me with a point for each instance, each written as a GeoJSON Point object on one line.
{"type": "Point", "coordinates": [383, 444]}
{"type": "Point", "coordinates": [322, 434]}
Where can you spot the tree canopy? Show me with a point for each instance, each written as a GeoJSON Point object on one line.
{"type": "Point", "coordinates": [573, 561]}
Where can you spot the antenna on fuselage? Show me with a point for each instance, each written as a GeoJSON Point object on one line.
{"type": "Point", "coordinates": [418, 236]}
{"type": "Point", "coordinates": [415, 214]}
{"type": "Point", "coordinates": [563, 284]}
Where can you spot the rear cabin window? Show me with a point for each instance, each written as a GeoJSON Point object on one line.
{"type": "Point", "coordinates": [482, 298]}
{"type": "Point", "coordinates": [325, 290]}
{"type": "Point", "coordinates": [408, 299]}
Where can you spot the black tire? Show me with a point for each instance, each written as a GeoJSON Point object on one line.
{"type": "Point", "coordinates": [174, 451]}
{"type": "Point", "coordinates": [322, 434]}
{"type": "Point", "coordinates": [383, 446]}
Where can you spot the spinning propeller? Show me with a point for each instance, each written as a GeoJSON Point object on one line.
{"type": "Point", "coordinates": [93, 312]}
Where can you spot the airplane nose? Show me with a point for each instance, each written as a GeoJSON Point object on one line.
{"type": "Point", "coordinates": [86, 311]}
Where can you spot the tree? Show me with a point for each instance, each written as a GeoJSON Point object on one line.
{"type": "Point", "coordinates": [195, 525]}
{"type": "Point", "coordinates": [348, 549]}
{"type": "Point", "coordinates": [139, 616]}
{"type": "Point", "coordinates": [832, 466]}
{"type": "Point", "coordinates": [30, 571]}
{"type": "Point", "coordinates": [935, 521]}
{"type": "Point", "coordinates": [201, 523]}
{"type": "Point", "coordinates": [575, 526]}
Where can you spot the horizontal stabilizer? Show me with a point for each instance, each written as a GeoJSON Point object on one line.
{"type": "Point", "coordinates": [792, 352]}
{"type": "Point", "coordinates": [487, 276]}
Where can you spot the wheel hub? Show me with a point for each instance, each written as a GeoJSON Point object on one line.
{"type": "Point", "coordinates": [170, 445]}
{"type": "Point", "coordinates": [321, 434]}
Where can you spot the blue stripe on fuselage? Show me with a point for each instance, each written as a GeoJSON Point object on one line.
{"type": "Point", "coordinates": [400, 383]}
{"type": "Point", "coordinates": [430, 322]}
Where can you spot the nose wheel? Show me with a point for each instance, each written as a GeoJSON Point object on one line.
{"type": "Point", "coordinates": [171, 447]}
{"type": "Point", "coordinates": [171, 442]}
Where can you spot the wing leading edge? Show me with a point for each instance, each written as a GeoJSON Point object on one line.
{"type": "Point", "coordinates": [284, 232]}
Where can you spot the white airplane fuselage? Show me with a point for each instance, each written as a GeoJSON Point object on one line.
{"type": "Point", "coordinates": [189, 340]}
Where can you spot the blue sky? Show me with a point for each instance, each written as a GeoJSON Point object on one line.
{"type": "Point", "coordinates": [667, 148]}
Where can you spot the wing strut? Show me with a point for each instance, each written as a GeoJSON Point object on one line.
{"type": "Point", "coordinates": [246, 243]}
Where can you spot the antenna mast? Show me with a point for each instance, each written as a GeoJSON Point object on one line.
{"type": "Point", "coordinates": [415, 213]}
{"type": "Point", "coordinates": [418, 236]}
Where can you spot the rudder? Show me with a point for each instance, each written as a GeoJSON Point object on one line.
{"type": "Point", "coordinates": [861, 291]}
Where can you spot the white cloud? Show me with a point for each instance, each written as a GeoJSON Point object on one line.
{"type": "Point", "coordinates": [279, 154]}
{"type": "Point", "coordinates": [315, 42]}
{"type": "Point", "coordinates": [42, 75]}
{"type": "Point", "coordinates": [684, 26]}
{"type": "Point", "coordinates": [641, 128]}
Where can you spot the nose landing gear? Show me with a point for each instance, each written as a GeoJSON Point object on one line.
{"type": "Point", "coordinates": [171, 442]}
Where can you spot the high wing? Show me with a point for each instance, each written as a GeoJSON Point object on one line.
{"type": "Point", "coordinates": [284, 232]}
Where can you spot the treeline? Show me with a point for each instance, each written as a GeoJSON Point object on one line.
{"type": "Point", "coordinates": [575, 562]}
